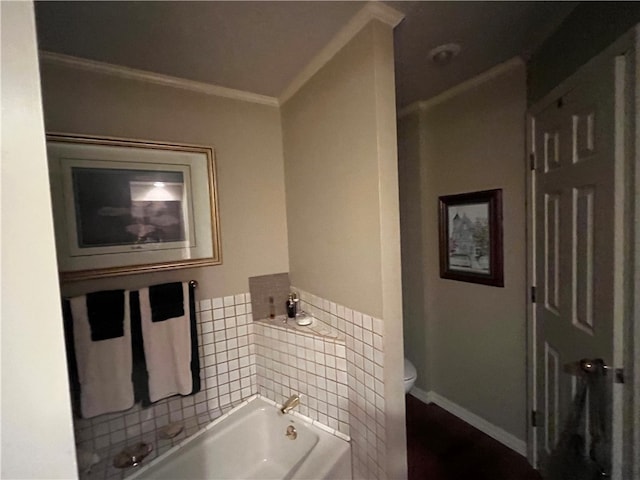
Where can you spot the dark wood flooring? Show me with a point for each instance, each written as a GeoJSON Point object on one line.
{"type": "Point", "coordinates": [440, 446]}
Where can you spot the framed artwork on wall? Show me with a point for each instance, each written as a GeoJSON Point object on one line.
{"type": "Point", "coordinates": [127, 206]}
{"type": "Point", "coordinates": [470, 230]}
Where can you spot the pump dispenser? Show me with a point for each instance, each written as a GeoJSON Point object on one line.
{"type": "Point", "coordinates": [291, 307]}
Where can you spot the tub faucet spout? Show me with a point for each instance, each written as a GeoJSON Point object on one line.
{"type": "Point", "coordinates": [292, 402]}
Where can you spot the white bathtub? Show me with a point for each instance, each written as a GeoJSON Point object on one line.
{"type": "Point", "coordinates": [250, 442]}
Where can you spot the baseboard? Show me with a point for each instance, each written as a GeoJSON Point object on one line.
{"type": "Point", "coordinates": [495, 432]}
{"type": "Point", "coordinates": [424, 397]}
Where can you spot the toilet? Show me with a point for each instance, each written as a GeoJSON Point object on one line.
{"type": "Point", "coordinates": [410, 375]}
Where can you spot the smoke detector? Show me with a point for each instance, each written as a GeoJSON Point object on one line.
{"type": "Point", "coordinates": [443, 54]}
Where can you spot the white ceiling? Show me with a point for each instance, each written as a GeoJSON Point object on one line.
{"type": "Point", "coordinates": [260, 46]}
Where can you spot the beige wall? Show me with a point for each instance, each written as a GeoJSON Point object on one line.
{"type": "Point", "coordinates": [37, 430]}
{"type": "Point", "coordinates": [331, 175]}
{"type": "Point", "coordinates": [342, 199]}
{"type": "Point", "coordinates": [476, 334]}
{"type": "Point", "coordinates": [249, 163]}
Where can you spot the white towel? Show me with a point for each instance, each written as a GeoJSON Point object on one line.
{"type": "Point", "coordinates": [167, 349]}
{"type": "Point", "coordinates": [104, 367]}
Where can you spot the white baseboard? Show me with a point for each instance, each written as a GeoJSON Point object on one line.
{"type": "Point", "coordinates": [497, 433]}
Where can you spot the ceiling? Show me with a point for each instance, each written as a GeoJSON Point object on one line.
{"type": "Point", "coordinates": [260, 46]}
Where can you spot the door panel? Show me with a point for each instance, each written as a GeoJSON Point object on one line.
{"type": "Point", "coordinates": [574, 206]}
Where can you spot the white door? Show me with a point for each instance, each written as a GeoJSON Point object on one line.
{"type": "Point", "coordinates": [576, 224]}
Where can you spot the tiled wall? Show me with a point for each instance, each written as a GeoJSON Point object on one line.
{"type": "Point", "coordinates": [228, 374]}
{"type": "Point", "coordinates": [315, 367]}
{"type": "Point", "coordinates": [338, 370]}
{"type": "Point", "coordinates": [365, 361]}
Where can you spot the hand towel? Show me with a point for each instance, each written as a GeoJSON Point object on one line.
{"type": "Point", "coordinates": [106, 314]}
{"type": "Point", "coordinates": [167, 301]}
{"type": "Point", "coordinates": [168, 346]}
{"type": "Point", "coordinates": [104, 365]}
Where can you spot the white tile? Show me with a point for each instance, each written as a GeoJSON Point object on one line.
{"type": "Point", "coordinates": [349, 329]}
{"type": "Point", "coordinates": [367, 337]}
{"type": "Point", "coordinates": [358, 347]}
{"type": "Point", "coordinates": [239, 298]}
{"type": "Point", "coordinates": [218, 314]}
{"type": "Point", "coordinates": [116, 424]}
{"type": "Point", "coordinates": [117, 436]}
{"type": "Point", "coordinates": [160, 409]}
{"type": "Point", "coordinates": [208, 349]}
{"type": "Point", "coordinates": [188, 412]}
{"type": "Point", "coordinates": [377, 342]}
{"type": "Point", "coordinates": [205, 304]}
{"type": "Point", "coordinates": [379, 385]}
{"type": "Point", "coordinates": [206, 316]}
{"type": "Point", "coordinates": [368, 352]}
{"type": "Point", "coordinates": [207, 338]}
{"type": "Point", "coordinates": [378, 357]}
{"type": "Point", "coordinates": [331, 361]}
{"type": "Point", "coordinates": [148, 426]}
{"type": "Point", "coordinates": [378, 372]}
{"type": "Point", "coordinates": [217, 303]}
{"type": "Point", "coordinates": [368, 380]}
{"type": "Point", "coordinates": [207, 327]}
{"type": "Point", "coordinates": [367, 322]}
{"type": "Point", "coordinates": [378, 326]}
{"type": "Point", "coordinates": [228, 301]}
{"type": "Point", "coordinates": [221, 357]}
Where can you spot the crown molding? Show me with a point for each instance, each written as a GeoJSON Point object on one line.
{"type": "Point", "coordinates": [155, 78]}
{"type": "Point", "coordinates": [371, 11]}
{"type": "Point", "coordinates": [422, 105]}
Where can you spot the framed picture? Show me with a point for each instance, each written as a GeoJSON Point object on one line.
{"type": "Point", "coordinates": [125, 206]}
{"type": "Point", "coordinates": [471, 237]}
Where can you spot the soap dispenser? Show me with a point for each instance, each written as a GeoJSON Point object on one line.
{"type": "Point", "coordinates": [291, 307]}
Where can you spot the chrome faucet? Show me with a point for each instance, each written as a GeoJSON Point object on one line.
{"type": "Point", "coordinates": [292, 402]}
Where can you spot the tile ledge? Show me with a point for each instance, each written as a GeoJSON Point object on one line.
{"type": "Point", "coordinates": [316, 329]}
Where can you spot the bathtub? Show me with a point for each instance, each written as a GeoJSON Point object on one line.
{"type": "Point", "coordinates": [251, 442]}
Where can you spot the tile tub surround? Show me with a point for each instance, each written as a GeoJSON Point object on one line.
{"type": "Point", "coordinates": [290, 361]}
{"type": "Point", "coordinates": [228, 374]}
{"type": "Point", "coordinates": [364, 341]}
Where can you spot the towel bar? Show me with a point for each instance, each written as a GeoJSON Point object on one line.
{"type": "Point", "coordinates": [193, 283]}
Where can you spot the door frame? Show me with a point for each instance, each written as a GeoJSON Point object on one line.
{"type": "Point", "coordinates": [626, 411]}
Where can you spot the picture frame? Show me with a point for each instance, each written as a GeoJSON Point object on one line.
{"type": "Point", "coordinates": [470, 231]}
{"type": "Point", "coordinates": [123, 206]}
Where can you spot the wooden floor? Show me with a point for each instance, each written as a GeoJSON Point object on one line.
{"type": "Point", "coordinates": [440, 446]}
